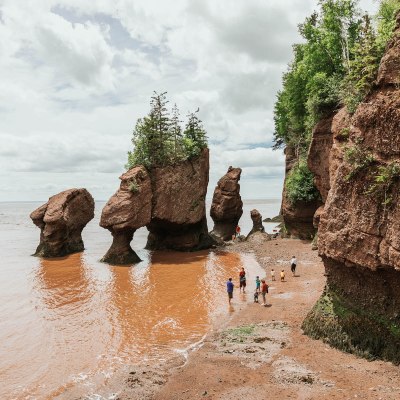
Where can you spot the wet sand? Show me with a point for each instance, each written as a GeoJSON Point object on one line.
{"type": "Point", "coordinates": [261, 352]}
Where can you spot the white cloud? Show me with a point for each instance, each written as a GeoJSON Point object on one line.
{"type": "Point", "coordinates": [75, 76]}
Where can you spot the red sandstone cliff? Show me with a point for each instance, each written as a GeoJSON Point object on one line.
{"type": "Point", "coordinates": [298, 217]}
{"type": "Point", "coordinates": [358, 233]}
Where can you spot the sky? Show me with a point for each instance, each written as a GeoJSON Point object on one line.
{"type": "Point", "coordinates": [76, 75]}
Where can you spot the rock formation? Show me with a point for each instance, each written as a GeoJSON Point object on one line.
{"type": "Point", "coordinates": [169, 201]}
{"type": "Point", "coordinates": [257, 222]}
{"type": "Point", "coordinates": [298, 218]}
{"type": "Point", "coordinates": [227, 205]}
{"type": "Point", "coordinates": [127, 210]}
{"type": "Point", "coordinates": [61, 221]}
{"type": "Point", "coordinates": [358, 237]}
{"type": "Point", "coordinates": [178, 219]}
{"type": "Point", "coordinates": [257, 233]}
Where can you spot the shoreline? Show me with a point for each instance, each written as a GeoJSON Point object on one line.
{"type": "Point", "coordinates": [262, 352]}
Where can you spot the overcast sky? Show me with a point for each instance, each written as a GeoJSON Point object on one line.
{"type": "Point", "coordinates": [75, 76]}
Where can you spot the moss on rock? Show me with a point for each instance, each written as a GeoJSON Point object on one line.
{"type": "Point", "coordinates": [340, 323]}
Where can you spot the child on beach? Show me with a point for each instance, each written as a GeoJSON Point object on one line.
{"type": "Point", "coordinates": [272, 274]}
{"type": "Point", "coordinates": [255, 297]}
{"type": "Point", "coordinates": [258, 283]}
{"type": "Point", "coordinates": [283, 275]}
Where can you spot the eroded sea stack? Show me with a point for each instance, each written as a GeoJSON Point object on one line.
{"type": "Point", "coordinates": [298, 217]}
{"type": "Point", "coordinates": [178, 218]}
{"type": "Point", "coordinates": [61, 221]}
{"type": "Point", "coordinates": [358, 235]}
{"type": "Point", "coordinates": [227, 205]}
{"type": "Point", "coordinates": [127, 210]}
{"type": "Point", "coordinates": [169, 201]}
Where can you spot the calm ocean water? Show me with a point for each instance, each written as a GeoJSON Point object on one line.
{"type": "Point", "coordinates": [70, 323]}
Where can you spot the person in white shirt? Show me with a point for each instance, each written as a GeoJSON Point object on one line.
{"type": "Point", "coordinates": [293, 264]}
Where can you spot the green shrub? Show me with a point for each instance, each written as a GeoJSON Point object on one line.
{"type": "Point", "coordinates": [299, 184]}
{"type": "Point", "coordinates": [383, 180]}
{"type": "Point", "coordinates": [358, 158]}
{"type": "Point", "coordinates": [134, 187]}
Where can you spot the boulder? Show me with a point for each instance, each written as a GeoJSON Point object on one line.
{"type": "Point", "coordinates": [227, 205]}
{"type": "Point", "coordinates": [127, 210]}
{"type": "Point", "coordinates": [61, 221]}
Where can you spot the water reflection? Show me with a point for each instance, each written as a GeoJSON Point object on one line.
{"type": "Point", "coordinates": [90, 320]}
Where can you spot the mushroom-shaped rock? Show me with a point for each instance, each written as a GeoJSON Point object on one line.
{"type": "Point", "coordinates": [127, 210]}
{"type": "Point", "coordinates": [61, 221]}
{"type": "Point", "coordinates": [178, 216]}
{"type": "Point", "coordinates": [227, 205]}
{"type": "Point", "coordinates": [257, 234]}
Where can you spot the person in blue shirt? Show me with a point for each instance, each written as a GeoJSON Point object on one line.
{"type": "Point", "coordinates": [229, 289]}
{"type": "Point", "coordinates": [258, 284]}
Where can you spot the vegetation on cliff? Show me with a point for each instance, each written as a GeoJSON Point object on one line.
{"type": "Point", "coordinates": [159, 139]}
{"type": "Point", "coordinates": [335, 66]}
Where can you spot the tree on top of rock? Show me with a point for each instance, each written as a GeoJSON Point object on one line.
{"type": "Point", "coordinates": [158, 139]}
{"type": "Point", "coordinates": [194, 135]}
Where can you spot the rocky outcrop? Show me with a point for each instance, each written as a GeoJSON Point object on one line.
{"type": "Point", "coordinates": [178, 219]}
{"type": "Point", "coordinates": [257, 222]}
{"type": "Point", "coordinates": [169, 201]}
{"type": "Point", "coordinates": [358, 237]}
{"type": "Point", "coordinates": [257, 233]}
{"type": "Point", "coordinates": [227, 205]}
{"type": "Point", "coordinates": [127, 210]}
{"type": "Point", "coordinates": [298, 217]}
{"type": "Point", "coordinates": [61, 221]}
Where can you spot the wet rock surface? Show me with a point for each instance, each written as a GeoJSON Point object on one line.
{"type": "Point", "coordinates": [227, 205]}
{"type": "Point", "coordinates": [61, 221]}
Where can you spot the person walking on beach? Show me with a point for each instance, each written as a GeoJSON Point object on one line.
{"type": "Point", "coordinates": [264, 291]}
{"type": "Point", "coordinates": [229, 289]}
{"type": "Point", "coordinates": [258, 284]}
{"type": "Point", "coordinates": [293, 264]}
{"type": "Point", "coordinates": [272, 274]}
{"type": "Point", "coordinates": [242, 280]}
{"type": "Point", "coordinates": [283, 275]}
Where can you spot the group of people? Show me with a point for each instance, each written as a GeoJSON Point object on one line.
{"type": "Point", "coordinates": [261, 285]}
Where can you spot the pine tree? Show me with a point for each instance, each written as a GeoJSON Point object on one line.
{"type": "Point", "coordinates": [194, 135]}
{"type": "Point", "coordinates": [176, 135]}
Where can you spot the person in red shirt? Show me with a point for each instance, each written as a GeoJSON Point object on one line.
{"type": "Point", "coordinates": [264, 291]}
{"type": "Point", "coordinates": [237, 231]}
{"type": "Point", "coordinates": [242, 280]}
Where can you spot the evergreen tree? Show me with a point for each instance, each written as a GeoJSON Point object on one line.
{"type": "Point", "coordinates": [176, 135]}
{"type": "Point", "coordinates": [195, 138]}
{"type": "Point", "coordinates": [158, 139]}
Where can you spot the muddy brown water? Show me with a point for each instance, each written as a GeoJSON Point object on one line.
{"type": "Point", "coordinates": [71, 323]}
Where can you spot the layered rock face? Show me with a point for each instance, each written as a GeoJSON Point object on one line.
{"type": "Point", "coordinates": [298, 218]}
{"type": "Point", "coordinates": [358, 236]}
{"type": "Point", "coordinates": [178, 219]}
{"type": "Point", "coordinates": [127, 210]}
{"type": "Point", "coordinates": [227, 205]}
{"type": "Point", "coordinates": [170, 201]}
{"type": "Point", "coordinates": [61, 221]}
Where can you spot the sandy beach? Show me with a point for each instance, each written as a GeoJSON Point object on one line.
{"type": "Point", "coordinates": [262, 353]}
